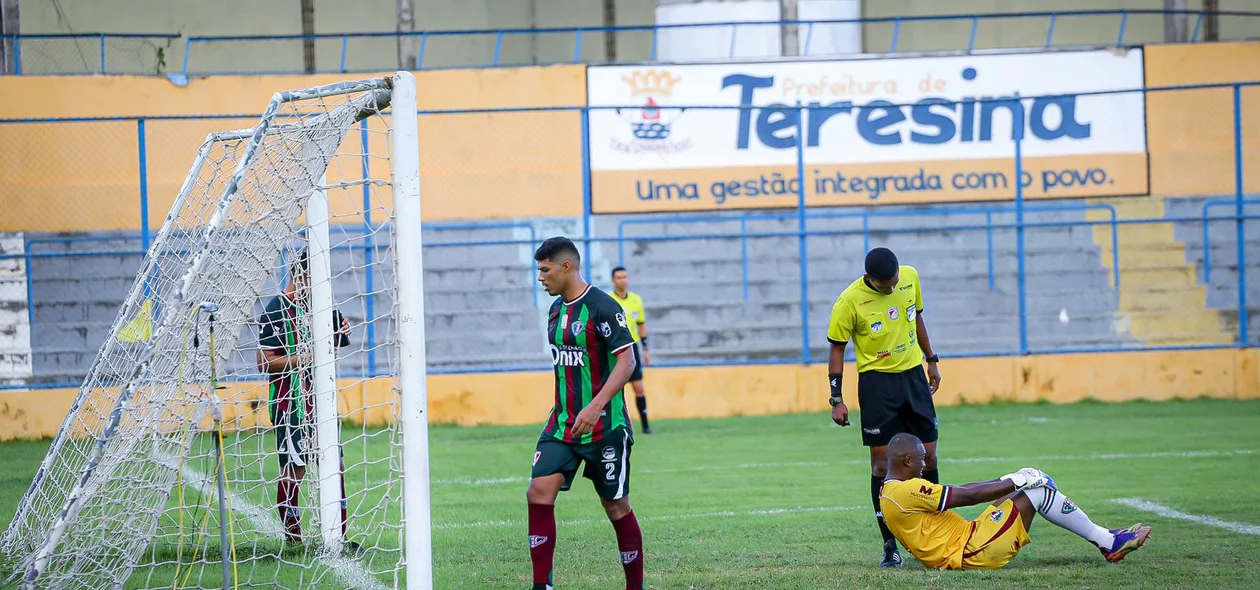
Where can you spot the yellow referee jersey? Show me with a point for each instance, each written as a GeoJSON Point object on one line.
{"type": "Point", "coordinates": [881, 327]}
{"type": "Point", "coordinates": [633, 306]}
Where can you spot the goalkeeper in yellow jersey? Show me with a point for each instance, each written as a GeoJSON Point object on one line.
{"type": "Point", "coordinates": [918, 513]}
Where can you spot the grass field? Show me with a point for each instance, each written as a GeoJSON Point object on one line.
{"type": "Point", "coordinates": [783, 502]}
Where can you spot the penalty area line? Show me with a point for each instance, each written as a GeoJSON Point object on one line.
{"type": "Point", "coordinates": [657, 518]}
{"type": "Point", "coordinates": [1168, 512]}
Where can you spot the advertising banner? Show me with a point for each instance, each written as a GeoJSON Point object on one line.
{"type": "Point", "coordinates": [912, 130]}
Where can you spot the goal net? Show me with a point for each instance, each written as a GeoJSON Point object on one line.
{"type": "Point", "coordinates": [269, 356]}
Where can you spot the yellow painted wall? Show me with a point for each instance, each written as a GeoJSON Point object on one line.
{"type": "Point", "coordinates": [85, 176]}
{"type": "Point", "coordinates": [713, 392]}
{"type": "Point", "coordinates": [1190, 133]}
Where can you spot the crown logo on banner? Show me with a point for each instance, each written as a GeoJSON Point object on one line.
{"type": "Point", "coordinates": [659, 82]}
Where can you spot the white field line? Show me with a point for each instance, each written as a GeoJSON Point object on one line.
{"type": "Point", "coordinates": [654, 518]}
{"type": "Point", "coordinates": [348, 571]}
{"type": "Point", "coordinates": [1166, 512]}
{"type": "Point", "coordinates": [1099, 457]}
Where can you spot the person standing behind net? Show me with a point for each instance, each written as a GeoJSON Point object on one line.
{"type": "Point", "coordinates": [632, 303]}
{"type": "Point", "coordinates": [881, 313]}
{"type": "Point", "coordinates": [285, 355]}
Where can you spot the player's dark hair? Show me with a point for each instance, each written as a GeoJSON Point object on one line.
{"type": "Point", "coordinates": [881, 264]}
{"type": "Point", "coordinates": [556, 247]}
{"type": "Point", "coordinates": [617, 270]}
{"type": "Point", "coordinates": [301, 264]}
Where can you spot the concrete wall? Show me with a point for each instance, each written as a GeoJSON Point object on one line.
{"type": "Point", "coordinates": [708, 392]}
{"type": "Point", "coordinates": [1031, 32]}
{"type": "Point", "coordinates": [282, 17]}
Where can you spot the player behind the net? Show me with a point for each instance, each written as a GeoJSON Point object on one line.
{"type": "Point", "coordinates": [590, 349]}
{"type": "Point", "coordinates": [918, 513]}
{"type": "Point", "coordinates": [285, 355]}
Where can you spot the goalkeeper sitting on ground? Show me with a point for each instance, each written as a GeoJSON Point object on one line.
{"type": "Point", "coordinates": [284, 354]}
{"type": "Point", "coordinates": [918, 513]}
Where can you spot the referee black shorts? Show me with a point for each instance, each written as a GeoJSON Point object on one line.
{"type": "Point", "coordinates": [892, 403]}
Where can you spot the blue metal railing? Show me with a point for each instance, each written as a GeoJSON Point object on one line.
{"type": "Point", "coordinates": [496, 57]}
{"type": "Point", "coordinates": [374, 370]}
{"type": "Point", "coordinates": [1207, 219]}
{"type": "Point", "coordinates": [578, 33]}
{"type": "Point", "coordinates": [17, 40]}
{"type": "Point", "coordinates": [866, 216]}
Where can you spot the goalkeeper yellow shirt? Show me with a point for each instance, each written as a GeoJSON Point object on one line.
{"type": "Point", "coordinates": [633, 306]}
{"type": "Point", "coordinates": [914, 511]}
{"type": "Point", "coordinates": [881, 327]}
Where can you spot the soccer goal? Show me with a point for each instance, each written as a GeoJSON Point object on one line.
{"type": "Point", "coordinates": [269, 356]}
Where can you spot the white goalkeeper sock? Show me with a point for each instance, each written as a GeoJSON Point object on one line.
{"type": "Point", "coordinates": [1060, 510]}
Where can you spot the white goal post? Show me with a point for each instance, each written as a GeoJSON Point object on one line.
{"type": "Point", "coordinates": [312, 214]}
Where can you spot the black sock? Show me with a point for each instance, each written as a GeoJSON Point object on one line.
{"type": "Point", "coordinates": [642, 402]}
{"type": "Point", "coordinates": [932, 475]}
{"type": "Point", "coordinates": [877, 482]}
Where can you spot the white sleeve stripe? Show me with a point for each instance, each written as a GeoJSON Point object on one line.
{"type": "Point", "coordinates": [623, 347]}
{"type": "Point", "coordinates": [945, 491]}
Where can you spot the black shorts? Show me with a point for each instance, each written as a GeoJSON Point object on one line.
{"type": "Point", "coordinates": [295, 441]}
{"type": "Point", "coordinates": [637, 374]}
{"type": "Point", "coordinates": [892, 403]}
{"type": "Point", "coordinates": [607, 462]}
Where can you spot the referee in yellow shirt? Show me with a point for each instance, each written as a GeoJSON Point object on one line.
{"type": "Point", "coordinates": [881, 313]}
{"type": "Point", "coordinates": [637, 321]}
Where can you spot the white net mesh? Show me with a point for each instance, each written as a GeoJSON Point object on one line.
{"type": "Point", "coordinates": [127, 495]}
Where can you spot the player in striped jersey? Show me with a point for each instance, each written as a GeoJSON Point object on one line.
{"type": "Point", "coordinates": [591, 351]}
{"type": "Point", "coordinates": [285, 355]}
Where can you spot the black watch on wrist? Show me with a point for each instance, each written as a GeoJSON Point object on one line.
{"type": "Point", "coordinates": [833, 400]}
{"type": "Point", "coordinates": [933, 359]}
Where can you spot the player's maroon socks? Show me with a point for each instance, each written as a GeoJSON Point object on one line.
{"type": "Point", "coordinates": [630, 541]}
{"type": "Point", "coordinates": [287, 504]}
{"type": "Point", "coordinates": [542, 541]}
{"type": "Point", "coordinates": [345, 521]}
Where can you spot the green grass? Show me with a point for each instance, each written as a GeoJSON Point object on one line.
{"type": "Point", "coordinates": [783, 501]}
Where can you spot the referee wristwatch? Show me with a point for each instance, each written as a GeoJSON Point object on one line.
{"type": "Point", "coordinates": [933, 359]}
{"type": "Point", "coordinates": [833, 400]}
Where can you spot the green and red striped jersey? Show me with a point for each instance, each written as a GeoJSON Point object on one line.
{"type": "Point", "coordinates": [584, 336]}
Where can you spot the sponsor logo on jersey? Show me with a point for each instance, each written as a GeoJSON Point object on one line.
{"type": "Point", "coordinates": [893, 312]}
{"type": "Point", "coordinates": [577, 327]}
{"type": "Point", "coordinates": [905, 287]}
{"type": "Point", "coordinates": [568, 356]}
{"type": "Point", "coordinates": [605, 329]}
{"type": "Point", "coordinates": [910, 312]}
{"type": "Point", "coordinates": [996, 516]}
{"type": "Point", "coordinates": [883, 354]}
{"type": "Point", "coordinates": [877, 326]}
{"type": "Point", "coordinates": [621, 320]}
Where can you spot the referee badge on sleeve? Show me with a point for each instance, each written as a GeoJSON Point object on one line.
{"type": "Point", "coordinates": [910, 312]}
